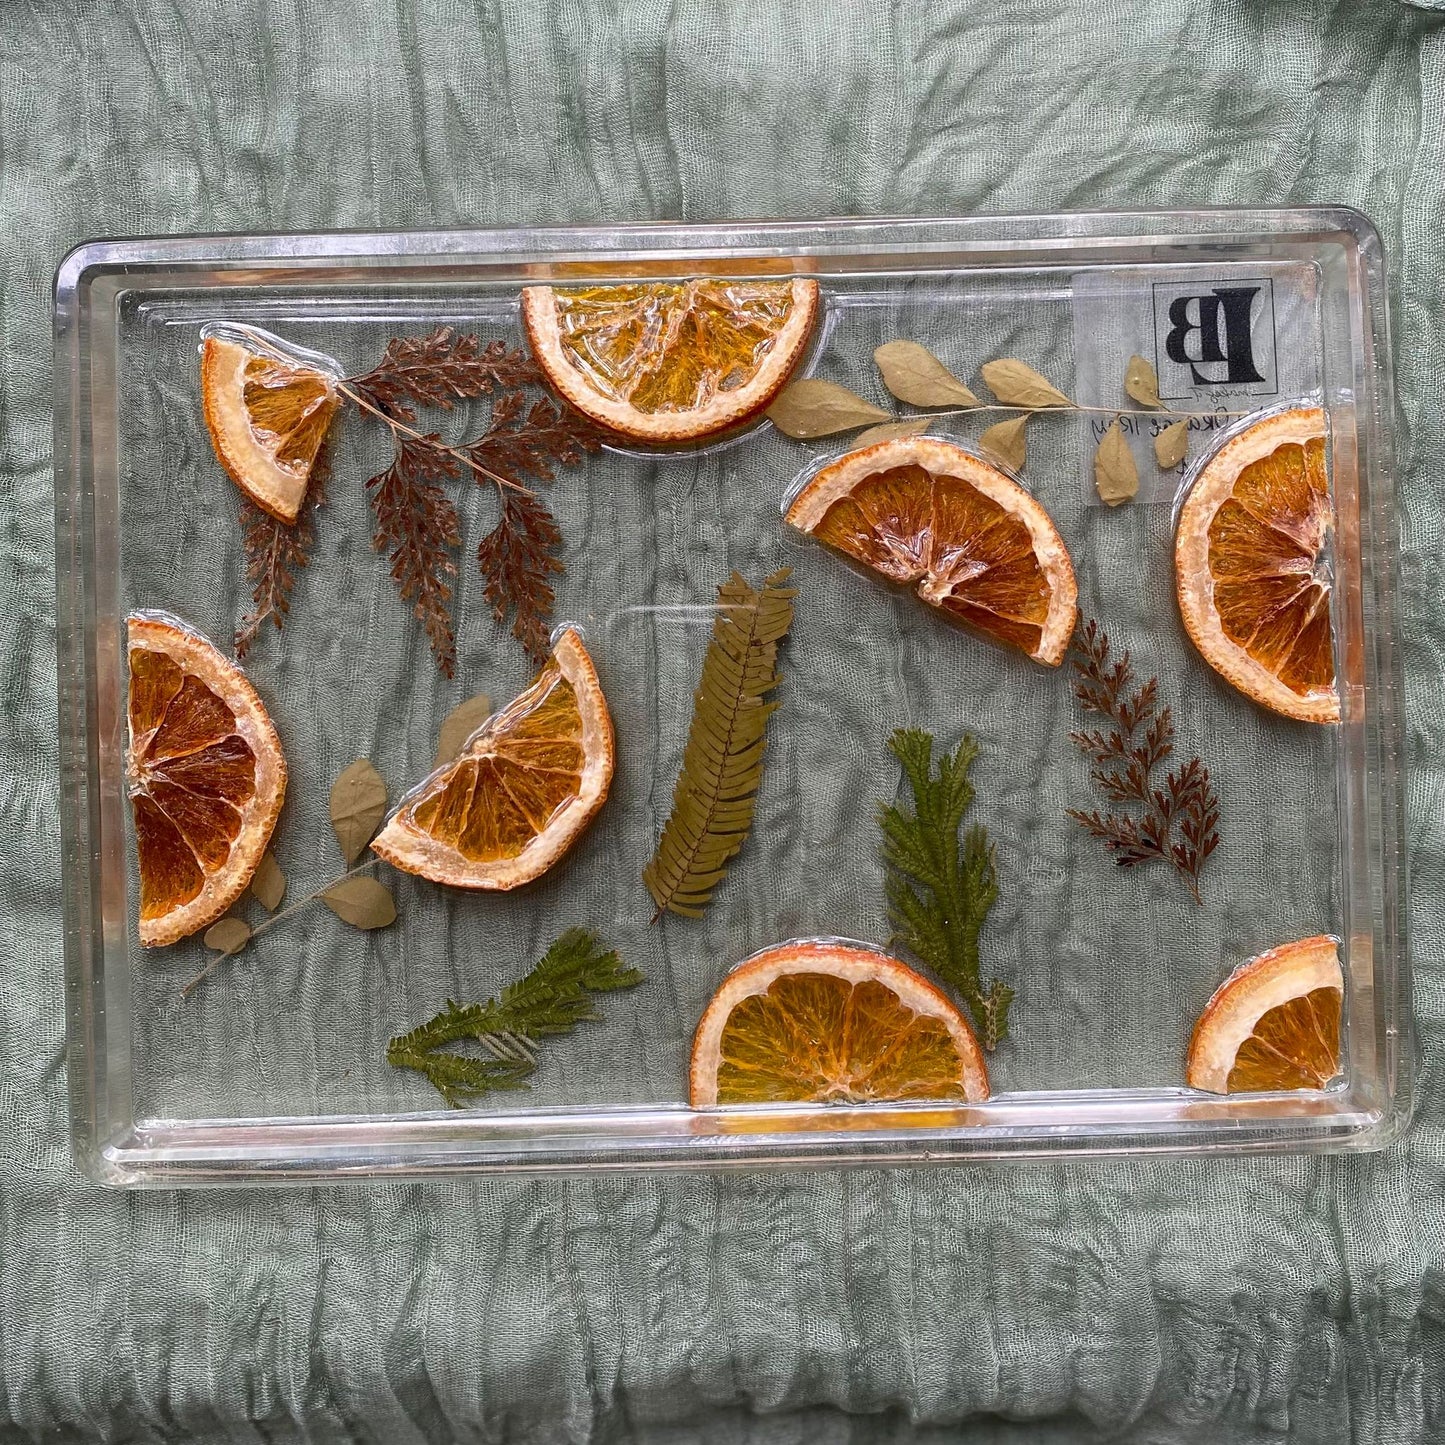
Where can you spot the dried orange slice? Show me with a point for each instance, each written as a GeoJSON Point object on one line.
{"type": "Point", "coordinates": [832, 1023]}
{"type": "Point", "coordinates": [526, 784]}
{"type": "Point", "coordinates": [1274, 1023]}
{"type": "Point", "coordinates": [670, 361]}
{"type": "Point", "coordinates": [205, 773]}
{"type": "Point", "coordinates": [267, 417]}
{"type": "Point", "coordinates": [1250, 567]}
{"type": "Point", "coordinates": [980, 548]}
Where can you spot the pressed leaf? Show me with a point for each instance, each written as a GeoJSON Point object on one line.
{"type": "Point", "coordinates": [361, 902]}
{"type": "Point", "coordinates": [1116, 477]}
{"type": "Point", "coordinates": [722, 765]}
{"type": "Point", "coordinates": [358, 804]}
{"type": "Point", "coordinates": [915, 375]}
{"type": "Point", "coordinates": [1141, 382]}
{"type": "Point", "coordinates": [814, 408]}
{"type": "Point", "coordinates": [891, 431]}
{"type": "Point", "coordinates": [1171, 446]}
{"type": "Point", "coordinates": [228, 936]}
{"type": "Point", "coordinates": [552, 999]}
{"type": "Point", "coordinates": [1015, 384]}
{"type": "Point", "coordinates": [460, 723]}
{"type": "Point", "coordinates": [268, 887]}
{"type": "Point", "coordinates": [1006, 443]}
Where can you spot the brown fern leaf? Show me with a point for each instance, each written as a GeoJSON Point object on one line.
{"type": "Point", "coordinates": [1179, 822]}
{"type": "Point", "coordinates": [441, 369]}
{"type": "Point", "coordinates": [549, 436]}
{"type": "Point", "coordinates": [518, 559]}
{"type": "Point", "coordinates": [417, 527]}
{"type": "Point", "coordinates": [275, 552]}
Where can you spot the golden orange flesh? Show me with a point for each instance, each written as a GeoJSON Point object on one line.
{"type": "Point", "coordinates": [974, 558]}
{"type": "Point", "coordinates": [1265, 545]}
{"type": "Point", "coordinates": [665, 347]}
{"type": "Point", "coordinates": [527, 783]}
{"type": "Point", "coordinates": [1296, 1045]}
{"type": "Point", "coordinates": [490, 807]}
{"type": "Point", "coordinates": [191, 776]}
{"type": "Point", "coordinates": [290, 410]}
{"type": "Point", "coordinates": [818, 1038]}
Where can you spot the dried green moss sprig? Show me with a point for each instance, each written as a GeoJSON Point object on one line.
{"type": "Point", "coordinates": [550, 1000]}
{"type": "Point", "coordinates": [940, 887]}
{"type": "Point", "coordinates": [722, 765]}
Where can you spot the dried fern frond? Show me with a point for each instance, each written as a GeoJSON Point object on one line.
{"type": "Point", "coordinates": [722, 765]}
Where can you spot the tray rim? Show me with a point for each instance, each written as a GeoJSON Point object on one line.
{"type": "Point", "coordinates": [117, 1150]}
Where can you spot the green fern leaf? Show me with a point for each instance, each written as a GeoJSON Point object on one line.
{"type": "Point", "coordinates": [722, 765]}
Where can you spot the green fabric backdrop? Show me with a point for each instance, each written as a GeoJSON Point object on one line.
{"type": "Point", "coordinates": [1153, 1300]}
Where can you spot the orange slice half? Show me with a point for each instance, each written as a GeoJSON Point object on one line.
{"type": "Point", "coordinates": [267, 418]}
{"type": "Point", "coordinates": [979, 547]}
{"type": "Point", "coordinates": [1250, 566]}
{"type": "Point", "coordinates": [831, 1023]}
{"type": "Point", "coordinates": [1274, 1023]}
{"type": "Point", "coordinates": [205, 773]}
{"type": "Point", "coordinates": [670, 361]}
{"type": "Point", "coordinates": [526, 784]}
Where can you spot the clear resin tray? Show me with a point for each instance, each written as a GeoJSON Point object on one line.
{"type": "Point", "coordinates": [274, 1068]}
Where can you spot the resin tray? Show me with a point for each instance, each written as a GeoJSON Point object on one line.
{"type": "Point", "coordinates": [275, 1068]}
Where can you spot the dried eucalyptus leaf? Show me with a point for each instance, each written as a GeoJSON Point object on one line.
{"type": "Point", "coordinates": [228, 936]}
{"type": "Point", "coordinates": [891, 431]}
{"type": "Point", "coordinates": [1171, 446]}
{"type": "Point", "coordinates": [915, 375]}
{"type": "Point", "coordinates": [1015, 384]}
{"type": "Point", "coordinates": [358, 804]}
{"type": "Point", "coordinates": [268, 886]}
{"type": "Point", "coordinates": [361, 902]}
{"type": "Point", "coordinates": [814, 408]}
{"type": "Point", "coordinates": [460, 723]}
{"type": "Point", "coordinates": [1141, 382]}
{"type": "Point", "coordinates": [1115, 475]}
{"type": "Point", "coordinates": [1006, 443]}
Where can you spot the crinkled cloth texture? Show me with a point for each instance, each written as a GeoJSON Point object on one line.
{"type": "Point", "coordinates": [1150, 1300]}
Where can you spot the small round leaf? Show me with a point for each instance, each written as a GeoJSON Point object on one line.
{"type": "Point", "coordinates": [814, 408]}
{"type": "Point", "coordinates": [358, 804]}
{"type": "Point", "coordinates": [228, 936]}
{"type": "Point", "coordinates": [361, 902]}
{"type": "Point", "coordinates": [915, 375]}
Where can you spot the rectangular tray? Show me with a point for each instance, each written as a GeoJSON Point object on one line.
{"type": "Point", "coordinates": [274, 1070]}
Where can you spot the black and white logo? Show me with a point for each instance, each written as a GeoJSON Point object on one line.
{"type": "Point", "coordinates": [1217, 340]}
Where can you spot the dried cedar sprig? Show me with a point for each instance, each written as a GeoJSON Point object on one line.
{"type": "Point", "coordinates": [1180, 821]}
{"type": "Point", "coordinates": [275, 552]}
{"type": "Point", "coordinates": [552, 999]}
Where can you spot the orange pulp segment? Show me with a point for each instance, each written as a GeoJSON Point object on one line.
{"type": "Point", "coordinates": [832, 1023]}
{"type": "Point", "coordinates": [1273, 1024]}
{"type": "Point", "coordinates": [670, 361]}
{"type": "Point", "coordinates": [206, 777]}
{"type": "Point", "coordinates": [1251, 573]}
{"type": "Point", "coordinates": [526, 784]}
{"type": "Point", "coordinates": [980, 548]}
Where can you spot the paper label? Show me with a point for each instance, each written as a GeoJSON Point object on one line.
{"type": "Point", "coordinates": [1223, 341]}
